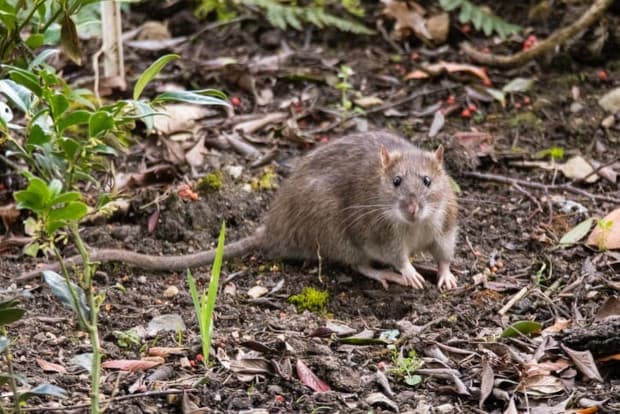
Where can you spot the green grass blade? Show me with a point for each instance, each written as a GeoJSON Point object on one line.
{"type": "Point", "coordinates": [212, 293]}
{"type": "Point", "coordinates": [150, 73]}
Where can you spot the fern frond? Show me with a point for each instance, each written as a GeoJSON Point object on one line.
{"type": "Point", "coordinates": [480, 18]}
{"type": "Point", "coordinates": [283, 16]}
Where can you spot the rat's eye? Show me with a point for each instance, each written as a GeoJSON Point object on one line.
{"type": "Point", "coordinates": [397, 180]}
{"type": "Point", "coordinates": [426, 180]}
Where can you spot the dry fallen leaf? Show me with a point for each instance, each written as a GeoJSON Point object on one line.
{"type": "Point", "coordinates": [608, 310]}
{"type": "Point", "coordinates": [558, 326]}
{"type": "Point", "coordinates": [180, 117]}
{"type": "Point", "coordinates": [576, 168]}
{"type": "Point", "coordinates": [439, 27]}
{"type": "Point", "coordinates": [133, 364]}
{"type": "Point", "coordinates": [606, 234]}
{"type": "Point", "coordinates": [308, 378]}
{"type": "Point", "coordinates": [407, 20]}
{"type": "Point", "coordinates": [164, 351]}
{"type": "Point", "coordinates": [437, 69]}
{"type": "Point", "coordinates": [584, 362]}
{"type": "Point", "coordinates": [50, 366]}
{"type": "Point", "coordinates": [542, 385]}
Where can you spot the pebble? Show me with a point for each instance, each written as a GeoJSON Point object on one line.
{"type": "Point", "coordinates": [608, 122]}
{"type": "Point", "coordinates": [576, 107]}
{"type": "Point", "coordinates": [171, 292]}
{"type": "Point", "coordinates": [443, 409]}
{"type": "Point", "coordinates": [611, 101]}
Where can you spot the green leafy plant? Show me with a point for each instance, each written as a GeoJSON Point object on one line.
{"type": "Point", "coordinates": [405, 367]}
{"type": "Point", "coordinates": [311, 299]}
{"type": "Point", "coordinates": [204, 304]}
{"type": "Point", "coordinates": [26, 25]}
{"type": "Point", "coordinates": [344, 74]}
{"type": "Point", "coordinates": [605, 227]}
{"type": "Point", "coordinates": [292, 15]}
{"type": "Point", "coordinates": [555, 153]}
{"type": "Point", "coordinates": [480, 18]}
{"type": "Point", "coordinates": [67, 139]}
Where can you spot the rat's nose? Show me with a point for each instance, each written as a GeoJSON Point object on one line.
{"type": "Point", "coordinates": [412, 208]}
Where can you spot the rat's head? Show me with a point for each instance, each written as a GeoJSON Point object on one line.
{"type": "Point", "coordinates": [416, 182]}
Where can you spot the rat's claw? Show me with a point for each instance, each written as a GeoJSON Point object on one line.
{"type": "Point", "coordinates": [412, 277]}
{"type": "Point", "coordinates": [446, 280]}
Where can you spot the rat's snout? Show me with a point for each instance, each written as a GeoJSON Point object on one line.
{"type": "Point", "coordinates": [412, 208]}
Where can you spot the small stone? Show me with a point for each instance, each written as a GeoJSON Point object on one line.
{"type": "Point", "coordinates": [142, 279]}
{"type": "Point", "coordinates": [257, 292]}
{"type": "Point", "coordinates": [608, 122]}
{"type": "Point", "coordinates": [443, 409]}
{"type": "Point", "coordinates": [611, 101]}
{"type": "Point", "coordinates": [234, 171]}
{"type": "Point", "coordinates": [171, 292]}
{"type": "Point", "coordinates": [576, 107]}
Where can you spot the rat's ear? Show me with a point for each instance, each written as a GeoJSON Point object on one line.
{"type": "Point", "coordinates": [439, 154]}
{"type": "Point", "coordinates": [385, 157]}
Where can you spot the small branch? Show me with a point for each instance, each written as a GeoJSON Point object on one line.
{"type": "Point", "coordinates": [557, 38]}
{"type": "Point", "coordinates": [520, 294]}
{"type": "Point", "coordinates": [545, 187]}
{"type": "Point", "coordinates": [109, 400]}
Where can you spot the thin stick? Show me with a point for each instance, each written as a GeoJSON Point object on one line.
{"type": "Point", "coordinates": [545, 187]}
{"type": "Point", "coordinates": [557, 38]}
{"type": "Point", "coordinates": [513, 300]}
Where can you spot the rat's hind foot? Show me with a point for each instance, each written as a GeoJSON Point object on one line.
{"type": "Point", "coordinates": [385, 276]}
{"type": "Point", "coordinates": [446, 279]}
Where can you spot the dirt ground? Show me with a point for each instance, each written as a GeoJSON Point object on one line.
{"type": "Point", "coordinates": [508, 240]}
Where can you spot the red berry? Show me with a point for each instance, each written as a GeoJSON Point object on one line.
{"type": "Point", "coordinates": [235, 101]}
{"type": "Point", "coordinates": [279, 399]}
{"type": "Point", "coordinates": [381, 365]}
{"type": "Point", "coordinates": [466, 113]}
{"type": "Point", "coordinates": [526, 100]}
{"type": "Point", "coordinates": [466, 28]}
{"type": "Point", "coordinates": [415, 56]}
{"type": "Point", "coordinates": [602, 75]}
{"type": "Point", "coordinates": [199, 358]}
{"type": "Point", "coordinates": [451, 100]}
{"type": "Point", "coordinates": [472, 107]}
{"type": "Point", "coordinates": [518, 105]}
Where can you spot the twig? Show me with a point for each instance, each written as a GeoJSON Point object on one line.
{"type": "Point", "coordinates": [545, 187]}
{"type": "Point", "coordinates": [528, 195]}
{"type": "Point", "coordinates": [513, 300]}
{"type": "Point", "coordinates": [379, 108]}
{"type": "Point", "coordinates": [557, 38]}
{"type": "Point", "coordinates": [115, 399]}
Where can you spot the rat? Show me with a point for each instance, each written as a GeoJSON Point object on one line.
{"type": "Point", "coordinates": [361, 200]}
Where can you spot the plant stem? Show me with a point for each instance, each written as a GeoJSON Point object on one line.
{"type": "Point", "coordinates": [93, 329]}
{"type": "Point", "coordinates": [9, 363]}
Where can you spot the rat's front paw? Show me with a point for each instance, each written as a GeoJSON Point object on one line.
{"type": "Point", "coordinates": [412, 278]}
{"type": "Point", "coordinates": [446, 278]}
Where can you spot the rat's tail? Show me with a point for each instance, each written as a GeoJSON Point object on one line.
{"type": "Point", "coordinates": [152, 262]}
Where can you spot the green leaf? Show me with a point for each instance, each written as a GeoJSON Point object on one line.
{"type": "Point", "coordinates": [449, 5]}
{"type": "Point", "coordinates": [42, 57]}
{"type": "Point", "coordinates": [18, 94]}
{"type": "Point", "coordinates": [352, 340]}
{"type": "Point", "coordinates": [35, 197]}
{"type": "Point", "coordinates": [190, 97]}
{"type": "Point", "coordinates": [9, 315]}
{"type": "Point", "coordinates": [150, 73]}
{"type": "Point", "coordinates": [60, 289]}
{"type": "Point", "coordinates": [37, 137]}
{"type": "Point", "coordinates": [577, 233]}
{"type": "Point", "coordinates": [69, 40]}
{"type": "Point", "coordinates": [35, 41]}
{"type": "Point", "coordinates": [100, 122]}
{"type": "Point", "coordinates": [79, 117]}
{"type": "Point", "coordinates": [521, 328]}
{"type": "Point", "coordinates": [498, 95]}
{"type": "Point", "coordinates": [413, 380]}
{"type": "Point", "coordinates": [55, 187]}
{"type": "Point", "coordinates": [70, 147]}
{"type": "Point", "coordinates": [465, 14]}
{"type": "Point", "coordinates": [73, 210]}
{"type": "Point", "coordinates": [66, 198]}
{"type": "Point", "coordinates": [58, 105]}
{"type": "Point", "coordinates": [518, 85]}
{"type": "Point", "coordinates": [26, 79]}
{"type": "Point", "coordinates": [44, 390]}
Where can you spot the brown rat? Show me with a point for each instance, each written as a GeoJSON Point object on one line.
{"type": "Point", "coordinates": [361, 199]}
